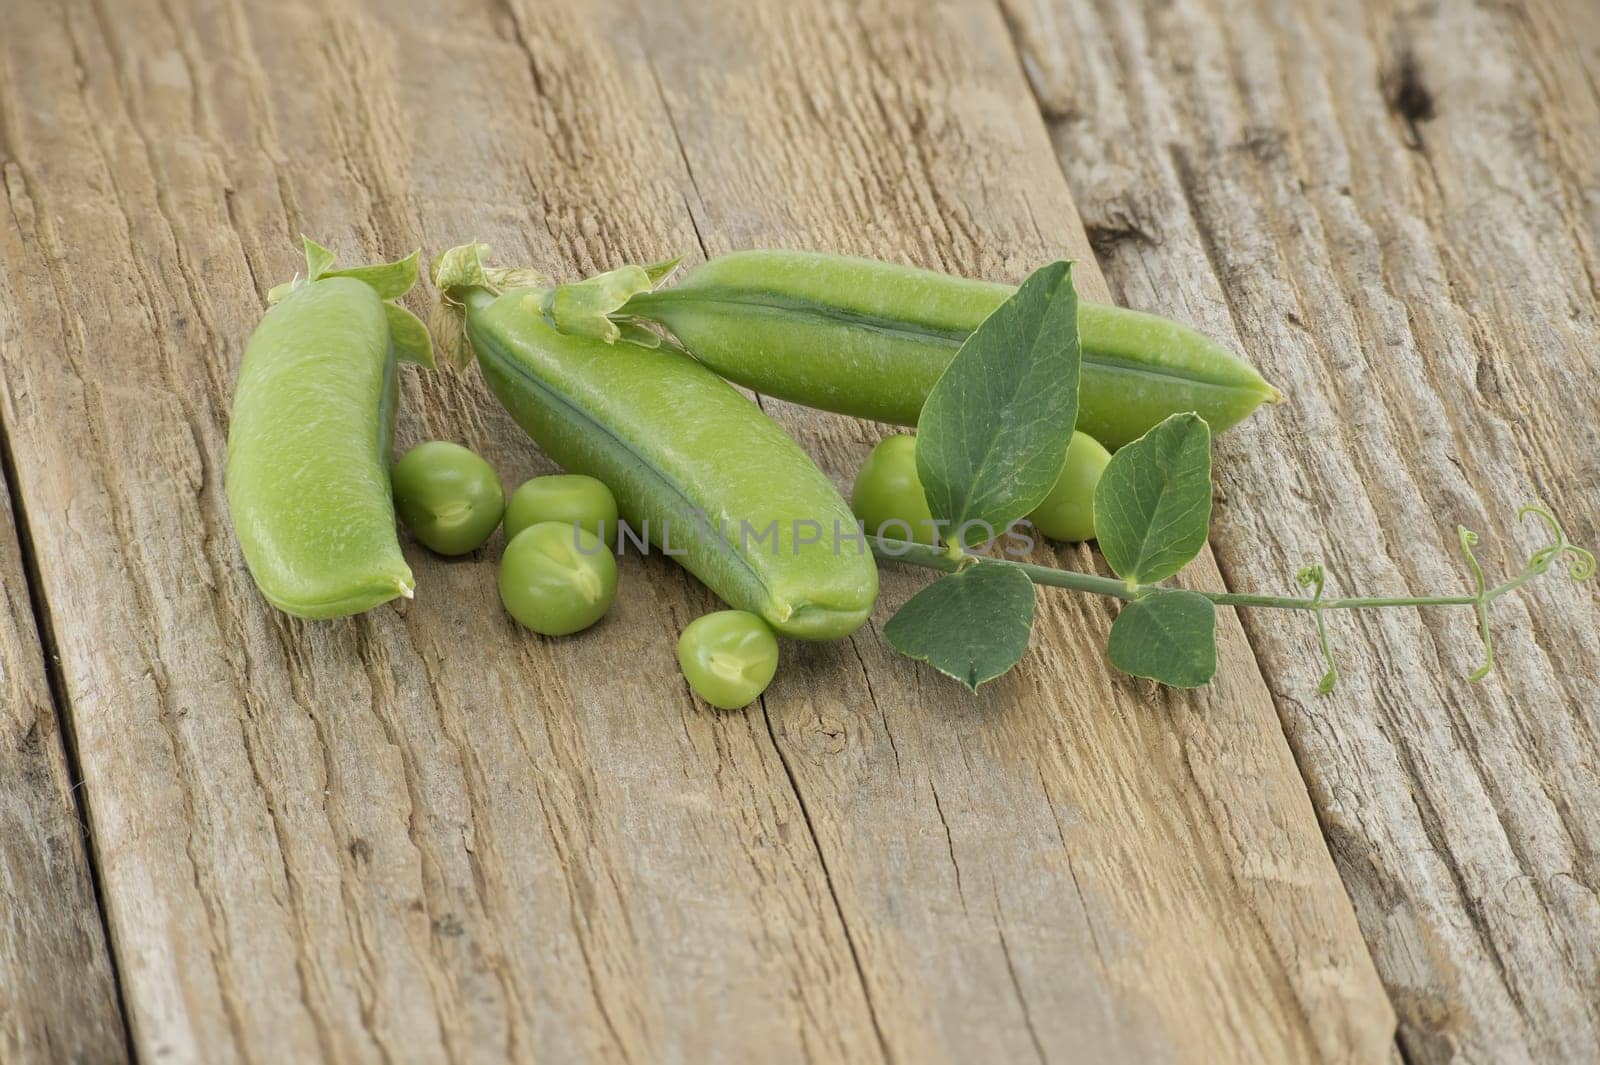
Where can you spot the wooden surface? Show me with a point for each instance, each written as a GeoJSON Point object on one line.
{"type": "Point", "coordinates": [1396, 211]}
{"type": "Point", "coordinates": [423, 834]}
{"type": "Point", "coordinates": [58, 1000]}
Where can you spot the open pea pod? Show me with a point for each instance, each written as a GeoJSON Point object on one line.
{"type": "Point", "coordinates": [870, 338]}
{"type": "Point", "coordinates": [696, 467]}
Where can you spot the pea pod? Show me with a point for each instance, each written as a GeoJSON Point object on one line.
{"type": "Point", "coordinates": [695, 466]}
{"type": "Point", "coordinates": [869, 339]}
{"type": "Point", "coordinates": [308, 443]}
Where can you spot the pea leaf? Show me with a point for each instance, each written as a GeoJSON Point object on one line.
{"type": "Point", "coordinates": [409, 336]}
{"type": "Point", "coordinates": [592, 307]}
{"type": "Point", "coordinates": [972, 625]}
{"type": "Point", "coordinates": [994, 431]}
{"type": "Point", "coordinates": [662, 269]}
{"type": "Point", "coordinates": [1152, 507]}
{"type": "Point", "coordinates": [389, 280]}
{"type": "Point", "coordinates": [460, 267]}
{"type": "Point", "coordinates": [1167, 635]}
{"type": "Point", "coordinates": [319, 260]}
{"type": "Point", "coordinates": [584, 308]}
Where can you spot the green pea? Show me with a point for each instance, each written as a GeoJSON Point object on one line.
{"type": "Point", "coordinates": [728, 658]}
{"type": "Point", "coordinates": [694, 465]}
{"type": "Point", "coordinates": [566, 497]}
{"type": "Point", "coordinates": [448, 496]}
{"type": "Point", "coordinates": [870, 338]}
{"type": "Point", "coordinates": [557, 579]}
{"type": "Point", "coordinates": [888, 497]}
{"type": "Point", "coordinates": [1067, 513]}
{"type": "Point", "coordinates": [308, 443]}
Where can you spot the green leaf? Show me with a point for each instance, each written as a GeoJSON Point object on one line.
{"type": "Point", "coordinates": [994, 431]}
{"type": "Point", "coordinates": [972, 625]}
{"type": "Point", "coordinates": [455, 271]}
{"type": "Point", "coordinates": [584, 308]}
{"type": "Point", "coordinates": [319, 260]}
{"type": "Point", "coordinates": [460, 267]}
{"type": "Point", "coordinates": [658, 272]}
{"type": "Point", "coordinates": [409, 336]}
{"type": "Point", "coordinates": [389, 280]}
{"type": "Point", "coordinates": [1152, 507]}
{"type": "Point", "coordinates": [1166, 635]}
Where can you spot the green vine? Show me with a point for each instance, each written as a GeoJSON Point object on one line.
{"type": "Point", "coordinates": [1581, 567]}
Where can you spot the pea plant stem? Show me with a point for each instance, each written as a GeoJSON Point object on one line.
{"type": "Point", "coordinates": [1580, 566]}
{"type": "Point", "coordinates": [915, 554]}
{"type": "Point", "coordinates": [936, 558]}
{"type": "Point", "coordinates": [1285, 602]}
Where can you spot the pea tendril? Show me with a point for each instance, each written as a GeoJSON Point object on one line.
{"type": "Point", "coordinates": [1313, 577]}
{"type": "Point", "coordinates": [1581, 566]}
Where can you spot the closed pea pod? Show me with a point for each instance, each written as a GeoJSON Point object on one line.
{"type": "Point", "coordinates": [694, 466]}
{"type": "Point", "coordinates": [869, 339]}
{"type": "Point", "coordinates": [310, 434]}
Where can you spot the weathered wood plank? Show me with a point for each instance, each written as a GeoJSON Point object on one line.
{"type": "Point", "coordinates": [404, 836]}
{"type": "Point", "coordinates": [425, 834]}
{"type": "Point", "coordinates": [1063, 771]}
{"type": "Point", "coordinates": [1393, 209]}
{"type": "Point", "coordinates": [58, 997]}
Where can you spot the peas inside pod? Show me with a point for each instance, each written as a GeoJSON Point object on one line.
{"type": "Point", "coordinates": [448, 496]}
{"type": "Point", "coordinates": [572, 498]}
{"type": "Point", "coordinates": [557, 578]}
{"type": "Point", "coordinates": [728, 657]}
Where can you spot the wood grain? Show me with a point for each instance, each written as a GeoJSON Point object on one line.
{"type": "Point", "coordinates": [58, 999]}
{"type": "Point", "coordinates": [1395, 209]}
{"type": "Point", "coordinates": [423, 834]}
{"type": "Point", "coordinates": [931, 104]}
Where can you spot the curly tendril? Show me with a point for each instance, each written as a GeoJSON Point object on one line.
{"type": "Point", "coordinates": [1313, 577]}
{"type": "Point", "coordinates": [1580, 567]}
{"type": "Point", "coordinates": [1480, 604]}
